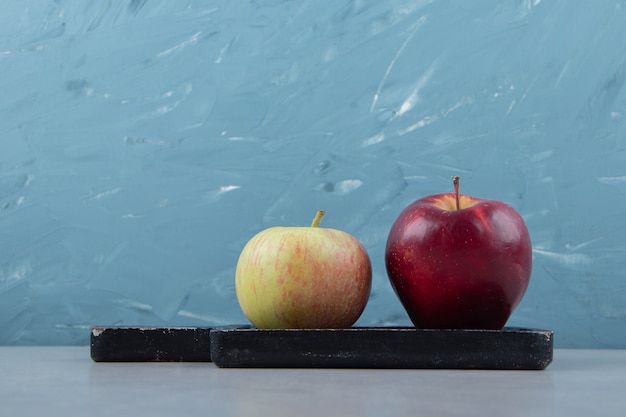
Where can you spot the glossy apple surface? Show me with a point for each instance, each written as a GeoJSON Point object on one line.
{"type": "Point", "coordinates": [303, 277]}
{"type": "Point", "coordinates": [459, 268]}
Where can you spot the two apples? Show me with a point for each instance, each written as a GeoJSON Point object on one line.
{"type": "Point", "coordinates": [454, 261]}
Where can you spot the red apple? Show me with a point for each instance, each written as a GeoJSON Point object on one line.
{"type": "Point", "coordinates": [303, 277]}
{"type": "Point", "coordinates": [457, 261]}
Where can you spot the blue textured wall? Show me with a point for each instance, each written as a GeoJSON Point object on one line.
{"type": "Point", "coordinates": [142, 143]}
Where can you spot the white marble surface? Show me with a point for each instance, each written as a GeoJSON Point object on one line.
{"type": "Point", "coordinates": [63, 381]}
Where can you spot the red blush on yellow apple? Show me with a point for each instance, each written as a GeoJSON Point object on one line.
{"type": "Point", "coordinates": [303, 277]}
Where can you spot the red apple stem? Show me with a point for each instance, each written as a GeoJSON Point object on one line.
{"type": "Point", "coordinates": [318, 218]}
{"type": "Point", "coordinates": [457, 193]}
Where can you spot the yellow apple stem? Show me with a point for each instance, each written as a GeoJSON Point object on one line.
{"type": "Point", "coordinates": [457, 193]}
{"type": "Point", "coordinates": [318, 218]}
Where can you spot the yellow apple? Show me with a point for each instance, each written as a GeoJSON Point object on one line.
{"type": "Point", "coordinates": [303, 278]}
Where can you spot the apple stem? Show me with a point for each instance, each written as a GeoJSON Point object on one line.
{"type": "Point", "coordinates": [318, 218]}
{"type": "Point", "coordinates": [457, 193]}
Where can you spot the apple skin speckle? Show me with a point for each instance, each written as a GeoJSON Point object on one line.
{"type": "Point", "coordinates": [303, 277]}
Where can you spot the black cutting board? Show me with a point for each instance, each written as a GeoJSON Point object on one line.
{"type": "Point", "coordinates": [357, 347]}
{"type": "Point", "coordinates": [150, 344]}
{"type": "Point", "coordinates": [383, 347]}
